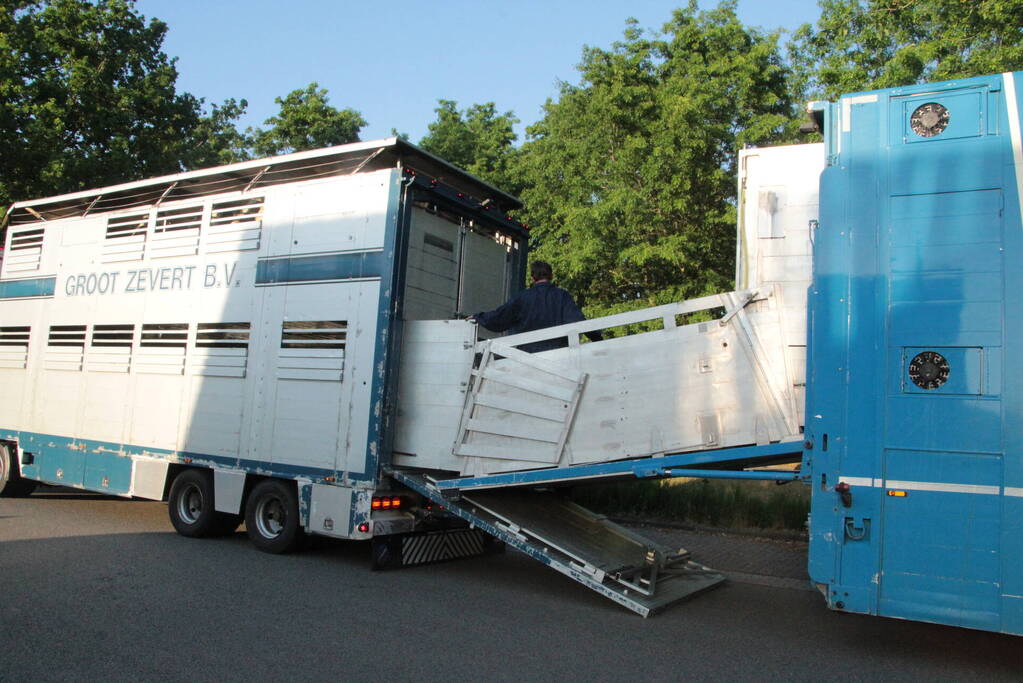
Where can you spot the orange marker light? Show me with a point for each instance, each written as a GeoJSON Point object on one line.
{"type": "Point", "coordinates": [897, 494]}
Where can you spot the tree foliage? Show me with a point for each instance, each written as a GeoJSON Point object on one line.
{"type": "Point", "coordinates": [866, 44]}
{"type": "Point", "coordinates": [631, 174]}
{"type": "Point", "coordinates": [477, 139]}
{"type": "Point", "coordinates": [217, 139]}
{"type": "Point", "coordinates": [88, 98]}
{"type": "Point", "coordinates": [306, 121]}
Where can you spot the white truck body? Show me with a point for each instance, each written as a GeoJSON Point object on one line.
{"type": "Point", "coordinates": [238, 318]}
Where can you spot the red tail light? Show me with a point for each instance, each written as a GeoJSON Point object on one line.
{"type": "Point", "coordinates": [386, 503]}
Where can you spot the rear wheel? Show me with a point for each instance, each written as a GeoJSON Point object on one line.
{"type": "Point", "coordinates": [271, 517]}
{"type": "Point", "coordinates": [11, 483]}
{"type": "Point", "coordinates": [192, 509]}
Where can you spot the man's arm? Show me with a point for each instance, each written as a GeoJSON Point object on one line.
{"type": "Point", "coordinates": [502, 318]}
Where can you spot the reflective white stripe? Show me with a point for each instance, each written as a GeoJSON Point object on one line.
{"type": "Point", "coordinates": [944, 488]}
{"type": "Point", "coordinates": [1014, 491]}
{"type": "Point", "coordinates": [932, 486]}
{"type": "Point", "coordinates": [1014, 134]}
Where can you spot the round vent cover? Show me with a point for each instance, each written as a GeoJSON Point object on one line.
{"type": "Point", "coordinates": [928, 370]}
{"type": "Point", "coordinates": [929, 119]}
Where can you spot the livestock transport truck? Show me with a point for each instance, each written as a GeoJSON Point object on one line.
{"type": "Point", "coordinates": [281, 341]}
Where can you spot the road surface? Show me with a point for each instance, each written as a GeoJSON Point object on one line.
{"type": "Point", "coordinates": [100, 588]}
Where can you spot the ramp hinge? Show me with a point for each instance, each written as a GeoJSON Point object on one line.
{"type": "Point", "coordinates": [591, 571]}
{"type": "Point", "coordinates": [512, 529]}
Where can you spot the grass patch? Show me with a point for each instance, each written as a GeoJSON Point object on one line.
{"type": "Point", "coordinates": [720, 503]}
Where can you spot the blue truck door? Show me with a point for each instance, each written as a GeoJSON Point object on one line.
{"type": "Point", "coordinates": [941, 244]}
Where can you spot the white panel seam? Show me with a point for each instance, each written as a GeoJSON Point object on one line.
{"type": "Point", "coordinates": [1012, 105]}
{"type": "Point", "coordinates": [847, 103]}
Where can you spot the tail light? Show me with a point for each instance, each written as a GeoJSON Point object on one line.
{"type": "Point", "coordinates": [387, 503]}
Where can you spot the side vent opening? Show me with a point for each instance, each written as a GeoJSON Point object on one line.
{"type": "Point", "coordinates": [235, 225]}
{"type": "Point", "coordinates": [113, 335]}
{"type": "Point", "coordinates": [14, 336]}
{"type": "Point", "coordinates": [314, 334]}
{"type": "Point", "coordinates": [110, 348]}
{"type": "Point", "coordinates": [26, 251]}
{"type": "Point", "coordinates": [162, 348]}
{"type": "Point", "coordinates": [66, 335]}
{"type": "Point", "coordinates": [223, 335]}
{"type": "Point", "coordinates": [312, 350]}
{"type": "Point", "coordinates": [164, 335]}
{"type": "Point", "coordinates": [27, 239]}
{"type": "Point", "coordinates": [125, 238]}
{"type": "Point", "coordinates": [14, 346]}
{"type": "Point", "coordinates": [65, 347]}
{"type": "Point", "coordinates": [127, 226]}
{"type": "Point", "coordinates": [221, 349]}
{"type": "Point", "coordinates": [183, 218]}
{"type": "Point", "coordinates": [176, 231]}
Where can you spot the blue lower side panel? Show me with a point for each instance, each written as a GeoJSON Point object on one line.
{"type": "Point", "coordinates": [107, 472]}
{"type": "Point", "coordinates": [942, 600]}
{"type": "Point", "coordinates": [107, 467]}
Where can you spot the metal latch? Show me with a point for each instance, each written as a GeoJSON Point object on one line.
{"type": "Point", "coordinates": [857, 528]}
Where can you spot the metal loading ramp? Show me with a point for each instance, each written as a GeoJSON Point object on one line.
{"type": "Point", "coordinates": [634, 571]}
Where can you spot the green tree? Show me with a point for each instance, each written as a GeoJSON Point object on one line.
{"type": "Point", "coordinates": [306, 121]}
{"type": "Point", "coordinates": [216, 138]}
{"type": "Point", "coordinates": [631, 174]}
{"type": "Point", "coordinates": [88, 98]}
{"type": "Point", "coordinates": [866, 44]}
{"type": "Point", "coordinates": [477, 139]}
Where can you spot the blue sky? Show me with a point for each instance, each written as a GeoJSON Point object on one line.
{"type": "Point", "coordinates": [393, 61]}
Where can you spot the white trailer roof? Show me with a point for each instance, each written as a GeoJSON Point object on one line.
{"type": "Point", "coordinates": [248, 175]}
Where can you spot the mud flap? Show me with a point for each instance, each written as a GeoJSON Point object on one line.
{"type": "Point", "coordinates": [407, 550]}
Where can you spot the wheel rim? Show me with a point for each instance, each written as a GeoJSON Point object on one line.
{"type": "Point", "coordinates": [271, 516]}
{"type": "Point", "coordinates": [190, 504]}
{"type": "Point", "coordinates": [4, 463]}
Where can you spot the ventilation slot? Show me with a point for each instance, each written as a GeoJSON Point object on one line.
{"type": "Point", "coordinates": [235, 225]}
{"type": "Point", "coordinates": [176, 231]}
{"type": "Point", "coordinates": [26, 251]}
{"type": "Point", "coordinates": [221, 349]}
{"type": "Point", "coordinates": [126, 238]}
{"type": "Point", "coordinates": [314, 334]}
{"type": "Point", "coordinates": [65, 347]}
{"type": "Point", "coordinates": [110, 349]}
{"type": "Point", "coordinates": [14, 347]}
{"type": "Point", "coordinates": [162, 348]}
{"type": "Point", "coordinates": [113, 335]}
{"type": "Point", "coordinates": [312, 350]}
{"type": "Point", "coordinates": [67, 335]}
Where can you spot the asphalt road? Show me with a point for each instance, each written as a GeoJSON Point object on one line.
{"type": "Point", "coordinates": [97, 588]}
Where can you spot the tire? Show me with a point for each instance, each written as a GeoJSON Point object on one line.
{"type": "Point", "coordinates": [271, 517]}
{"type": "Point", "coordinates": [11, 483]}
{"type": "Point", "coordinates": [191, 506]}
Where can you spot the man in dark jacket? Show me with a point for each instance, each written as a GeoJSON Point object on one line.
{"type": "Point", "coordinates": [542, 305]}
